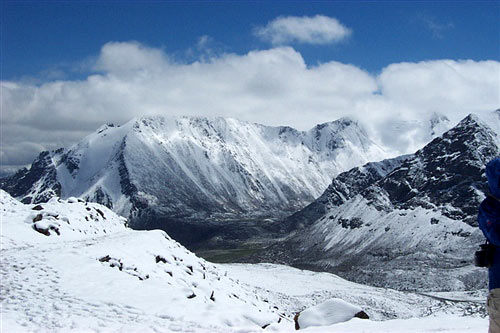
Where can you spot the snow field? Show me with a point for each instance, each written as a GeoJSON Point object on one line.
{"type": "Point", "coordinates": [294, 290]}
{"type": "Point", "coordinates": [94, 280]}
{"type": "Point", "coordinates": [96, 275]}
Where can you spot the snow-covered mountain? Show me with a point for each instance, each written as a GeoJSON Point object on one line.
{"type": "Point", "coordinates": [72, 266]}
{"type": "Point", "coordinates": [408, 222]}
{"type": "Point", "coordinates": [159, 171]}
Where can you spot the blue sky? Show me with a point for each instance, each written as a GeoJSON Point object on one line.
{"type": "Point", "coordinates": [43, 36]}
{"type": "Point", "coordinates": [69, 67]}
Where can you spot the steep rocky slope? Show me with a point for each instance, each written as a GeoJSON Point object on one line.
{"type": "Point", "coordinates": [409, 222]}
{"type": "Point", "coordinates": [182, 174]}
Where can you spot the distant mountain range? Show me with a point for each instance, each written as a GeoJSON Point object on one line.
{"type": "Point", "coordinates": [178, 173]}
{"type": "Point", "coordinates": [408, 222]}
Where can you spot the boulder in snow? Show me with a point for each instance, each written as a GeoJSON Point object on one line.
{"type": "Point", "coordinates": [330, 312]}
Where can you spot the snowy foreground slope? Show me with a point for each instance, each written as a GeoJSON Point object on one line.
{"type": "Point", "coordinates": [408, 223]}
{"type": "Point", "coordinates": [98, 274]}
{"type": "Point", "coordinates": [68, 265]}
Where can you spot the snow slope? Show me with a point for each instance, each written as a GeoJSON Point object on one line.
{"type": "Point", "coordinates": [197, 168]}
{"type": "Point", "coordinates": [97, 275]}
{"type": "Point", "coordinates": [294, 290]}
{"type": "Point", "coordinates": [408, 223]}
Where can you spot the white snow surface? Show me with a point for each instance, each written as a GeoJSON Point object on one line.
{"type": "Point", "coordinates": [96, 275]}
{"type": "Point", "coordinates": [118, 280]}
{"type": "Point", "coordinates": [330, 312]}
{"type": "Point", "coordinates": [229, 165]}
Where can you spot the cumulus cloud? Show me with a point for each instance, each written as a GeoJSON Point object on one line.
{"type": "Point", "coordinates": [130, 57]}
{"type": "Point", "coordinates": [466, 85]}
{"type": "Point", "coordinates": [272, 87]}
{"type": "Point", "coordinates": [318, 29]}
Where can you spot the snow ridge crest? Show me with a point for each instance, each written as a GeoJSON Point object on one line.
{"type": "Point", "coordinates": [196, 168]}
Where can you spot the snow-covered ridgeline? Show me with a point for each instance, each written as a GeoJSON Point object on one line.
{"type": "Point", "coordinates": [409, 223]}
{"type": "Point", "coordinates": [185, 167]}
{"type": "Point", "coordinates": [57, 220]}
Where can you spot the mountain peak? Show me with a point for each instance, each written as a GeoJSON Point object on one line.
{"type": "Point", "coordinates": [439, 123]}
{"type": "Point", "coordinates": [468, 139]}
{"type": "Point", "coordinates": [470, 118]}
{"type": "Point", "coordinates": [374, 222]}
{"type": "Point", "coordinates": [338, 124]}
{"type": "Point", "coordinates": [162, 171]}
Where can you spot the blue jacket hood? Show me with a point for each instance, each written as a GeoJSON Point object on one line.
{"type": "Point", "coordinates": [493, 174]}
{"type": "Point", "coordinates": [489, 219]}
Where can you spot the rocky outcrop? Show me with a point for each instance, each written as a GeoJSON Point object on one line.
{"type": "Point", "coordinates": [408, 223]}
{"type": "Point", "coordinates": [38, 184]}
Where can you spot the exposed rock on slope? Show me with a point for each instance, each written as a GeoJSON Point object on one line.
{"type": "Point", "coordinates": [409, 223]}
{"type": "Point", "coordinates": [160, 171]}
{"type": "Point", "coordinates": [96, 274]}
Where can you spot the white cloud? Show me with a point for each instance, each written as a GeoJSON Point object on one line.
{"type": "Point", "coordinates": [203, 41]}
{"type": "Point", "coordinates": [123, 58]}
{"type": "Point", "coordinates": [273, 87]}
{"type": "Point", "coordinates": [318, 29]}
{"type": "Point", "coordinates": [437, 28]}
{"type": "Point", "coordinates": [466, 85]}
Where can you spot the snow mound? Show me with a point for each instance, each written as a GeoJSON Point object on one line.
{"type": "Point", "coordinates": [70, 219]}
{"type": "Point", "coordinates": [330, 312]}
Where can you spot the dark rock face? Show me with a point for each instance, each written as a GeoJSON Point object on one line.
{"type": "Point", "coordinates": [101, 197]}
{"type": "Point", "coordinates": [72, 163]}
{"type": "Point", "coordinates": [343, 187]}
{"type": "Point", "coordinates": [23, 183]}
{"type": "Point", "coordinates": [351, 223]}
{"type": "Point", "coordinates": [404, 223]}
{"type": "Point", "coordinates": [128, 188]}
{"type": "Point", "coordinates": [446, 172]}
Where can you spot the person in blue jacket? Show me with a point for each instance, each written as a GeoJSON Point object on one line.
{"type": "Point", "coordinates": [489, 223]}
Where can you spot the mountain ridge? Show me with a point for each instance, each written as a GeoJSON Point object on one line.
{"type": "Point", "coordinates": [196, 168]}
{"type": "Point", "coordinates": [403, 223]}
